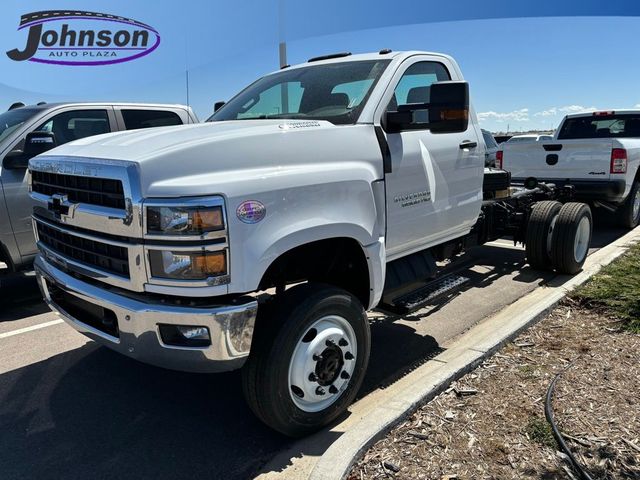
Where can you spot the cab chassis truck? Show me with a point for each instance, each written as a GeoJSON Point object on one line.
{"type": "Point", "coordinates": [260, 238]}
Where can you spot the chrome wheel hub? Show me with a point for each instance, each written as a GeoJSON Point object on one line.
{"type": "Point", "coordinates": [329, 365]}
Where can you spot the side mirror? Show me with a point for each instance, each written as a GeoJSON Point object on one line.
{"type": "Point", "coordinates": [446, 112]}
{"type": "Point", "coordinates": [38, 142]}
{"type": "Point", "coordinates": [449, 112]}
{"type": "Point", "coordinates": [35, 143]}
{"type": "Point", "coordinates": [15, 160]}
{"type": "Point", "coordinates": [218, 105]}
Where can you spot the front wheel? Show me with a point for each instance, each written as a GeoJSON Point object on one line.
{"type": "Point", "coordinates": [309, 356]}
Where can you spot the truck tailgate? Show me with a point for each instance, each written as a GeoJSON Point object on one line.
{"type": "Point", "coordinates": [584, 159]}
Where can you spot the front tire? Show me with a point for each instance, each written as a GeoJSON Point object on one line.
{"type": "Point", "coordinates": [629, 212]}
{"type": "Point", "coordinates": [308, 359]}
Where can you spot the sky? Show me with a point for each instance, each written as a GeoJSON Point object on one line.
{"type": "Point", "coordinates": [526, 70]}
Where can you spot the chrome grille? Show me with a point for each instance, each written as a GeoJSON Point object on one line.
{"type": "Point", "coordinates": [107, 257]}
{"type": "Point", "coordinates": [101, 243]}
{"type": "Point", "coordinates": [105, 192]}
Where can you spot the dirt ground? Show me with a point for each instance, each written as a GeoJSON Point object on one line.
{"type": "Point", "coordinates": [491, 423]}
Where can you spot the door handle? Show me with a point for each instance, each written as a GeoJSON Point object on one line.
{"type": "Point", "coordinates": [468, 144]}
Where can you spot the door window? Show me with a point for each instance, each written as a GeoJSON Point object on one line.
{"type": "Point", "coordinates": [415, 84]}
{"type": "Point", "coordinates": [135, 119]}
{"type": "Point", "coordinates": [76, 124]}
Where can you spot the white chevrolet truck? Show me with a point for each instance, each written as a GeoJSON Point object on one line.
{"type": "Point", "coordinates": [260, 238]}
{"type": "Point", "coordinates": [596, 152]}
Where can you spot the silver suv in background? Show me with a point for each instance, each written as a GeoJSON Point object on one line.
{"type": "Point", "coordinates": [26, 131]}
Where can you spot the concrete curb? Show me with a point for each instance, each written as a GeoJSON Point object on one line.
{"type": "Point", "coordinates": [463, 355]}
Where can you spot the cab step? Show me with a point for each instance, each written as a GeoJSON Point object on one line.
{"type": "Point", "coordinates": [427, 295]}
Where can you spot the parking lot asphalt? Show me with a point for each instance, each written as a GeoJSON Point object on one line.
{"type": "Point", "coordinates": [70, 409]}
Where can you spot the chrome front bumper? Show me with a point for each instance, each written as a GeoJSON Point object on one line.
{"type": "Point", "coordinates": [230, 326]}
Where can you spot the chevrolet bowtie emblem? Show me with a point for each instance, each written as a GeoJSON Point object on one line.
{"type": "Point", "coordinates": [59, 204]}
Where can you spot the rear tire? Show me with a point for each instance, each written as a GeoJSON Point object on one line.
{"type": "Point", "coordinates": [629, 212]}
{"type": "Point", "coordinates": [308, 359]}
{"type": "Point", "coordinates": [539, 232]}
{"type": "Point", "coordinates": [571, 238]}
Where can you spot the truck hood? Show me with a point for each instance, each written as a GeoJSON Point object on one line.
{"type": "Point", "coordinates": [147, 144]}
{"type": "Point", "coordinates": [209, 158]}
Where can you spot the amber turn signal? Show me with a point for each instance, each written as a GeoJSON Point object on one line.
{"type": "Point", "coordinates": [210, 263]}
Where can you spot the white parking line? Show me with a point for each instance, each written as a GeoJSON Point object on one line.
{"type": "Point", "coordinates": [30, 329]}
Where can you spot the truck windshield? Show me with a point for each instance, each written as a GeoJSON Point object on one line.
{"type": "Point", "coordinates": [12, 119]}
{"type": "Point", "coordinates": [335, 92]}
{"type": "Point", "coordinates": [601, 126]}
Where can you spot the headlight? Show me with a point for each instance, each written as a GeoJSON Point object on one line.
{"type": "Point", "coordinates": [184, 220]}
{"type": "Point", "coordinates": [187, 265]}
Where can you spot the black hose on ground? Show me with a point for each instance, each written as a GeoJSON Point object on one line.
{"type": "Point", "coordinates": [548, 412]}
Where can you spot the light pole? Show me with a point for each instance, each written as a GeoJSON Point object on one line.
{"type": "Point", "coordinates": [282, 51]}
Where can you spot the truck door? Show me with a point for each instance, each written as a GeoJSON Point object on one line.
{"type": "Point", "coordinates": [70, 124]}
{"type": "Point", "coordinates": [434, 189]}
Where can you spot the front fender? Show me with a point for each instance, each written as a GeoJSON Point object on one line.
{"type": "Point", "coordinates": [300, 215]}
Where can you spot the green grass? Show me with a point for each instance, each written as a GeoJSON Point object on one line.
{"type": "Point", "coordinates": [540, 432]}
{"type": "Point", "coordinates": [615, 290]}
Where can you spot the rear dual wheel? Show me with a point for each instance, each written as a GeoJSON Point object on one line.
{"type": "Point", "coordinates": [558, 236]}
{"type": "Point", "coordinates": [309, 355]}
{"type": "Point", "coordinates": [571, 238]}
{"type": "Point", "coordinates": [539, 231]}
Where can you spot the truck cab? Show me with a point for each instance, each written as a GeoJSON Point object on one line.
{"type": "Point", "coordinates": [63, 122]}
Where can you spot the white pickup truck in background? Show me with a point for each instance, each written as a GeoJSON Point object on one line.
{"type": "Point", "coordinates": [597, 152]}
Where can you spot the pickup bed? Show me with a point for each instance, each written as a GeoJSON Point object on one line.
{"type": "Point", "coordinates": [598, 153]}
{"type": "Point", "coordinates": [259, 239]}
